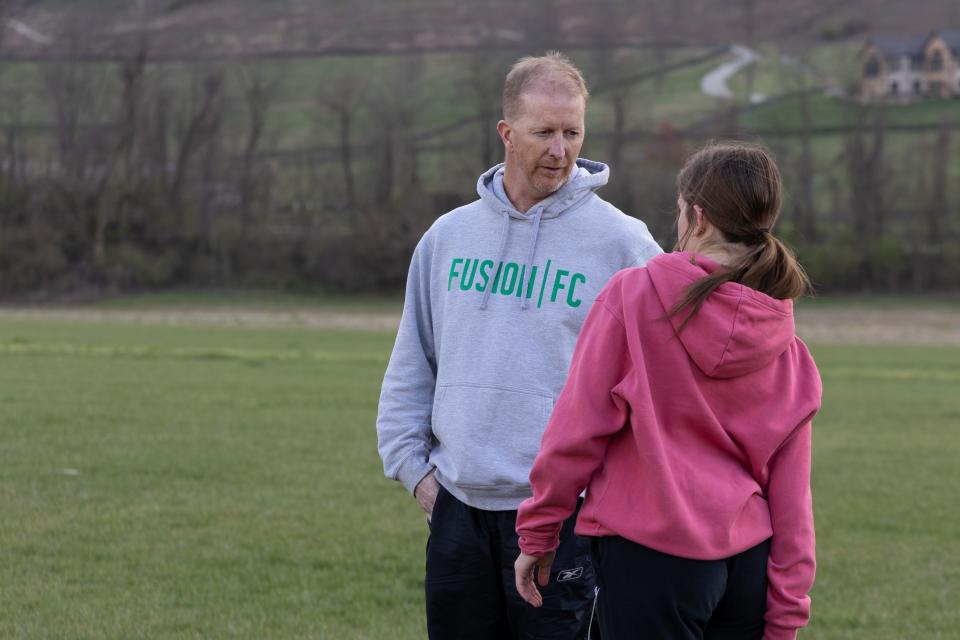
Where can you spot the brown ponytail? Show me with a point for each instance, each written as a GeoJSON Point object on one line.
{"type": "Point", "coordinates": [738, 187]}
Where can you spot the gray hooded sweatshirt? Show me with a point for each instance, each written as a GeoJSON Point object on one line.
{"type": "Point", "coordinates": [495, 299]}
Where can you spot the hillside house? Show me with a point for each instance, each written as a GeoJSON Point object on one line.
{"type": "Point", "coordinates": [911, 68]}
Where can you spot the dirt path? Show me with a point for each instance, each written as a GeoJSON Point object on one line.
{"type": "Point", "coordinates": [935, 326]}
{"type": "Point", "coordinates": [307, 318]}
{"type": "Point", "coordinates": [846, 325]}
{"type": "Point", "coordinates": [714, 83]}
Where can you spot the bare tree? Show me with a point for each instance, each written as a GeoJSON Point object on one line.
{"type": "Point", "coordinates": [128, 128]}
{"type": "Point", "coordinates": [800, 84]}
{"type": "Point", "coordinates": [198, 124]}
{"type": "Point", "coordinates": [344, 96]}
{"type": "Point", "coordinates": [257, 95]}
{"type": "Point", "coordinates": [938, 209]}
{"type": "Point", "coordinates": [663, 16]}
{"type": "Point", "coordinates": [395, 109]}
{"type": "Point", "coordinates": [867, 176]}
{"type": "Point", "coordinates": [607, 75]}
{"type": "Point", "coordinates": [484, 83]}
{"type": "Point", "coordinates": [88, 147]}
{"type": "Point", "coordinates": [12, 108]}
{"type": "Point", "coordinates": [806, 216]}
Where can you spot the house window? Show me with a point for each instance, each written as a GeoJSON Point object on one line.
{"type": "Point", "coordinates": [872, 68]}
{"type": "Point", "coordinates": [917, 87]}
{"type": "Point", "coordinates": [936, 88]}
{"type": "Point", "coordinates": [895, 88]}
{"type": "Point", "coordinates": [936, 61]}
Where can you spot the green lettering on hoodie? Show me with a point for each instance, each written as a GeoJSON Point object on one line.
{"type": "Point", "coordinates": [496, 276]}
{"type": "Point", "coordinates": [453, 271]}
{"type": "Point", "coordinates": [486, 264]}
{"type": "Point", "coordinates": [467, 283]}
{"type": "Point", "coordinates": [532, 281]}
{"type": "Point", "coordinates": [509, 278]}
{"type": "Point", "coordinates": [557, 284]}
{"type": "Point", "coordinates": [523, 272]}
{"type": "Point", "coordinates": [577, 277]}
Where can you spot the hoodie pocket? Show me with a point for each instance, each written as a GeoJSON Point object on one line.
{"type": "Point", "coordinates": [490, 433]}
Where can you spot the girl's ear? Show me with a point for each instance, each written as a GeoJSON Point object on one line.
{"type": "Point", "coordinates": [701, 224]}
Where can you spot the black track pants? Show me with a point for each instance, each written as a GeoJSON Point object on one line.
{"type": "Point", "coordinates": [470, 588]}
{"type": "Point", "coordinates": [648, 595]}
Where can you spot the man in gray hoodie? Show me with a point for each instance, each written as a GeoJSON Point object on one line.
{"type": "Point", "coordinates": [496, 294]}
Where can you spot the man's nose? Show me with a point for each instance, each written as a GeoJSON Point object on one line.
{"type": "Point", "coordinates": [556, 147]}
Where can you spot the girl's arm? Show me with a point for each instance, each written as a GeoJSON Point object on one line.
{"type": "Point", "coordinates": [792, 562]}
{"type": "Point", "coordinates": [587, 413]}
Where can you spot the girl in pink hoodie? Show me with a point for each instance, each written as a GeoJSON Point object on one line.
{"type": "Point", "coordinates": [686, 416]}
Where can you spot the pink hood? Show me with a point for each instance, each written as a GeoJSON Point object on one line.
{"type": "Point", "coordinates": [737, 330]}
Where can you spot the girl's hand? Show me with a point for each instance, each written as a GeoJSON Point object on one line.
{"type": "Point", "coordinates": [524, 568]}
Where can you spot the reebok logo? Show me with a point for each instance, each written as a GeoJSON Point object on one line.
{"type": "Point", "coordinates": [569, 574]}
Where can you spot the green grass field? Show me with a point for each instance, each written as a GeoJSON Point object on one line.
{"type": "Point", "coordinates": [217, 482]}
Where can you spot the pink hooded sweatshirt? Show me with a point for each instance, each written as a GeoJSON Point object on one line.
{"type": "Point", "coordinates": [697, 446]}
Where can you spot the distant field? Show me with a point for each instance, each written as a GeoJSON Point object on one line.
{"type": "Point", "coordinates": [223, 482]}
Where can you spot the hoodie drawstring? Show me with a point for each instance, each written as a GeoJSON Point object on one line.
{"type": "Point", "coordinates": [530, 250]}
{"type": "Point", "coordinates": [504, 234]}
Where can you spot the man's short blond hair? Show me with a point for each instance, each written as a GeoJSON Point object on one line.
{"type": "Point", "coordinates": [552, 71]}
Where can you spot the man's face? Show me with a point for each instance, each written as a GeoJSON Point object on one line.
{"type": "Point", "coordinates": [542, 143]}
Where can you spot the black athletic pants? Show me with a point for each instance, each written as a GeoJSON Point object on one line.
{"type": "Point", "coordinates": [470, 587]}
{"type": "Point", "coordinates": [648, 595]}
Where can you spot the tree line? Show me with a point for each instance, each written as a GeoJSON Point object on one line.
{"type": "Point", "coordinates": [148, 177]}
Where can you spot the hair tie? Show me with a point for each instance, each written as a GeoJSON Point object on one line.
{"type": "Point", "coordinates": [755, 235]}
{"type": "Point", "coordinates": [760, 233]}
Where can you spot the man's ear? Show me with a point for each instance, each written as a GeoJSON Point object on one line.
{"type": "Point", "coordinates": [506, 134]}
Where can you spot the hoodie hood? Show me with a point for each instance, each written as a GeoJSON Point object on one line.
{"type": "Point", "coordinates": [737, 330]}
{"type": "Point", "coordinates": [587, 177]}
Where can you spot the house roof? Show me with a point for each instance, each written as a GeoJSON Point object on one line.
{"type": "Point", "coordinates": [950, 36]}
{"type": "Point", "coordinates": [895, 48]}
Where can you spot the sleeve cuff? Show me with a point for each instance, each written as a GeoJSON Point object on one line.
{"type": "Point", "coordinates": [413, 470]}
{"type": "Point", "coordinates": [534, 546]}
